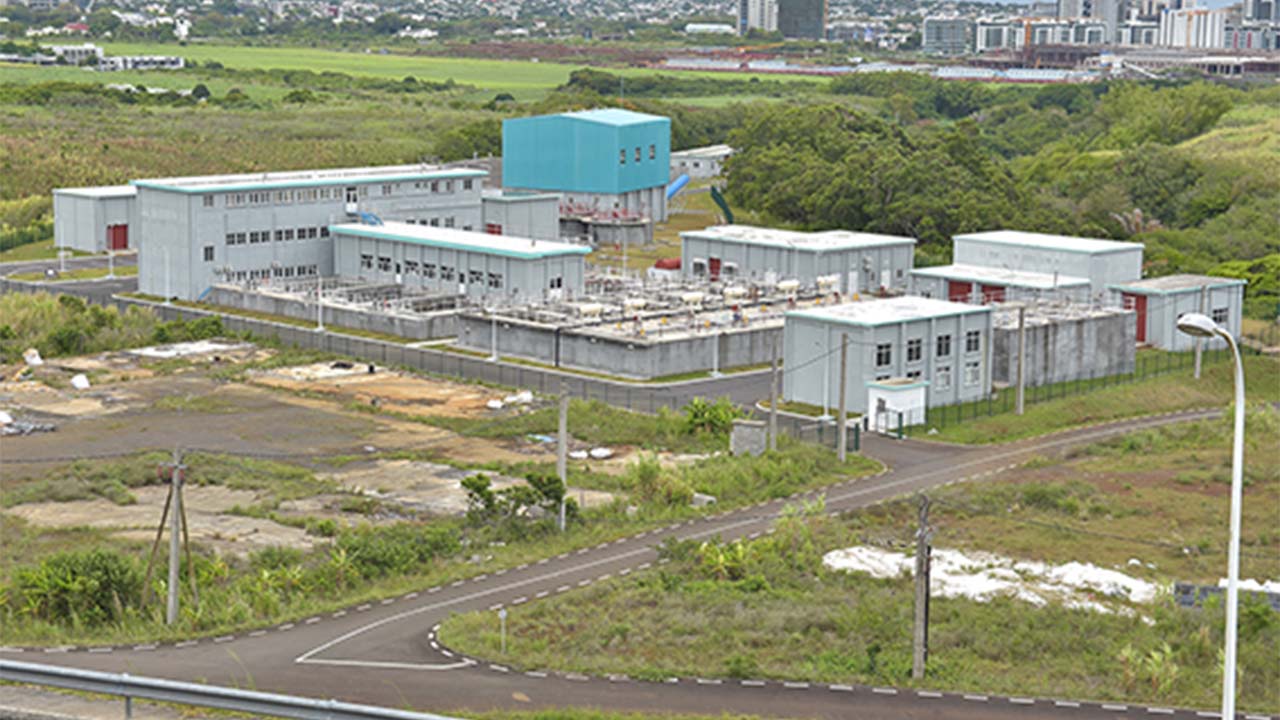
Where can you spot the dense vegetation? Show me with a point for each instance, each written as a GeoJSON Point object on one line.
{"type": "Point", "coordinates": [66, 325]}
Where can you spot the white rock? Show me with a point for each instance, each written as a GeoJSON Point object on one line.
{"type": "Point", "coordinates": [32, 357]}
{"type": "Point", "coordinates": [495, 404]}
{"type": "Point", "coordinates": [578, 454]}
{"type": "Point", "coordinates": [524, 397]}
{"type": "Point", "coordinates": [80, 382]}
{"type": "Point", "coordinates": [701, 500]}
{"type": "Point", "coordinates": [601, 453]}
{"type": "Point", "coordinates": [5, 418]}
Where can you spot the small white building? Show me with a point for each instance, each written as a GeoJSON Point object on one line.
{"type": "Point", "coordinates": [1159, 302]}
{"type": "Point", "coordinates": [942, 343]}
{"type": "Point", "coordinates": [521, 214]}
{"type": "Point", "coordinates": [447, 260]}
{"type": "Point", "coordinates": [982, 285]}
{"type": "Point", "coordinates": [1102, 262]}
{"type": "Point", "coordinates": [95, 219]}
{"type": "Point", "coordinates": [700, 163]}
{"type": "Point", "coordinates": [896, 403]}
{"type": "Point", "coordinates": [850, 262]}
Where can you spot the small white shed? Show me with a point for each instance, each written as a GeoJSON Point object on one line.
{"type": "Point", "coordinates": [896, 402]}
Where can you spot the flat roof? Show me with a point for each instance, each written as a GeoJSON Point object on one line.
{"type": "Point", "coordinates": [709, 151]}
{"type": "Point", "coordinates": [1041, 241]}
{"type": "Point", "coordinates": [1002, 276]}
{"type": "Point", "coordinates": [869, 313]}
{"type": "Point", "coordinates": [499, 195]}
{"type": "Point", "coordinates": [104, 191]}
{"type": "Point", "coordinates": [614, 116]}
{"type": "Point", "coordinates": [814, 241]}
{"type": "Point", "coordinates": [467, 240]}
{"type": "Point", "coordinates": [305, 178]}
{"type": "Point", "coordinates": [1175, 284]}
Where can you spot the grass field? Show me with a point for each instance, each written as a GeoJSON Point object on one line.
{"type": "Point", "coordinates": [1158, 496]}
{"type": "Point", "coordinates": [80, 274]}
{"type": "Point", "coordinates": [523, 79]}
{"type": "Point", "coordinates": [43, 250]}
{"type": "Point", "coordinates": [22, 73]}
{"type": "Point", "coordinates": [1172, 391]}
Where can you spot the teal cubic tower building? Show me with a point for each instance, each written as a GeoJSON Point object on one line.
{"type": "Point", "coordinates": [602, 162]}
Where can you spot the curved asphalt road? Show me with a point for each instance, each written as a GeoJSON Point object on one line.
{"type": "Point", "coordinates": [387, 653]}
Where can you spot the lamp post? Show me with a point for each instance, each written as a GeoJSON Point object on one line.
{"type": "Point", "coordinates": [1201, 326]}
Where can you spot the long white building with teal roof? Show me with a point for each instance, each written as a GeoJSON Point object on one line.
{"type": "Point", "coordinates": [448, 260]}
{"type": "Point", "coordinates": [274, 227]}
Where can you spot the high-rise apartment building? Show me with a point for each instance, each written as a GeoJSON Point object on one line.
{"type": "Point", "coordinates": [802, 19]}
{"type": "Point", "coordinates": [757, 15]}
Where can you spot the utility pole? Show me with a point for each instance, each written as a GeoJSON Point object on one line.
{"type": "Point", "coordinates": [1022, 357]}
{"type": "Point", "coordinates": [175, 537]}
{"type": "Point", "coordinates": [1204, 301]}
{"type": "Point", "coordinates": [562, 450]}
{"type": "Point", "coordinates": [773, 400]}
{"type": "Point", "coordinates": [842, 436]}
{"type": "Point", "coordinates": [920, 641]}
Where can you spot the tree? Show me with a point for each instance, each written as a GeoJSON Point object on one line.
{"type": "Point", "coordinates": [200, 92]}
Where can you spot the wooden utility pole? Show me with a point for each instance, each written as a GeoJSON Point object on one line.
{"type": "Point", "coordinates": [842, 438]}
{"type": "Point", "coordinates": [1022, 358]}
{"type": "Point", "coordinates": [1204, 302]}
{"type": "Point", "coordinates": [920, 641]}
{"type": "Point", "coordinates": [773, 400]}
{"type": "Point", "coordinates": [562, 450]}
{"type": "Point", "coordinates": [175, 537]}
{"type": "Point", "coordinates": [175, 513]}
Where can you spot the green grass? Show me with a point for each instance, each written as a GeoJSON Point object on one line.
{"type": "Point", "coordinates": [1169, 392]}
{"type": "Point", "coordinates": [780, 614]}
{"type": "Point", "coordinates": [79, 274]}
{"type": "Point", "coordinates": [180, 80]}
{"type": "Point", "coordinates": [523, 79]}
{"type": "Point", "coordinates": [43, 250]}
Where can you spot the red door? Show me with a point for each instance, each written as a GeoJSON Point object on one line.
{"type": "Point", "coordinates": [493, 228]}
{"type": "Point", "coordinates": [117, 237]}
{"type": "Point", "coordinates": [713, 266]}
{"type": "Point", "coordinates": [959, 291]}
{"type": "Point", "coordinates": [992, 294]}
{"type": "Point", "coordinates": [1138, 303]}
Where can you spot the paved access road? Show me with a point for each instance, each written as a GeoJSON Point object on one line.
{"type": "Point", "coordinates": [99, 290]}
{"type": "Point", "coordinates": [387, 653]}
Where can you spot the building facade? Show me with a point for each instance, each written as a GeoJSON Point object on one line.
{"type": "Point", "coordinates": [700, 163]}
{"type": "Point", "coordinates": [599, 160]}
{"type": "Point", "coordinates": [522, 214]}
{"type": "Point", "coordinates": [947, 35]}
{"type": "Point", "coordinates": [95, 219]}
{"type": "Point", "coordinates": [1063, 343]}
{"type": "Point", "coordinates": [802, 19]}
{"type": "Point", "coordinates": [983, 285]}
{"type": "Point", "coordinates": [851, 263]}
{"type": "Point", "coordinates": [497, 268]}
{"type": "Point", "coordinates": [942, 343]}
{"type": "Point", "coordinates": [1158, 303]}
{"type": "Point", "coordinates": [759, 15]}
{"type": "Point", "coordinates": [196, 231]}
{"type": "Point", "coordinates": [1102, 262]}
{"type": "Point", "coordinates": [1193, 27]}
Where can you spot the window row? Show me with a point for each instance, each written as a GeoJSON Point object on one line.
{"type": "Point", "coordinates": [942, 376]}
{"type": "Point", "coordinates": [430, 271]}
{"type": "Point", "coordinates": [256, 237]}
{"type": "Point", "coordinates": [915, 348]}
{"type": "Point", "coordinates": [325, 194]}
{"type": "Point", "coordinates": [290, 271]}
{"type": "Point", "coordinates": [622, 154]}
{"type": "Point", "coordinates": [448, 222]}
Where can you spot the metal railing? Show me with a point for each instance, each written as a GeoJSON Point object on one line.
{"type": "Point", "coordinates": [208, 696]}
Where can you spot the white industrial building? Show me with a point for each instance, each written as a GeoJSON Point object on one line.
{"type": "Point", "coordinates": [94, 219]}
{"type": "Point", "coordinates": [850, 262]}
{"type": "Point", "coordinates": [260, 227]}
{"type": "Point", "coordinates": [464, 262]}
{"type": "Point", "coordinates": [1159, 302]}
{"type": "Point", "coordinates": [521, 214]}
{"type": "Point", "coordinates": [982, 285]}
{"type": "Point", "coordinates": [942, 343]}
{"type": "Point", "coordinates": [1102, 262]}
{"type": "Point", "coordinates": [700, 163]}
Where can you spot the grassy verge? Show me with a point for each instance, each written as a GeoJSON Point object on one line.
{"type": "Point", "coordinates": [1105, 401]}
{"type": "Point", "coordinates": [79, 274]}
{"type": "Point", "coordinates": [772, 610]}
{"type": "Point", "coordinates": [43, 250]}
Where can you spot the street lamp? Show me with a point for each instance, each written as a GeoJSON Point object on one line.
{"type": "Point", "coordinates": [1201, 326]}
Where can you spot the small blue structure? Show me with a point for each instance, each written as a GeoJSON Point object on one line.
{"type": "Point", "coordinates": [677, 185]}
{"type": "Point", "coordinates": [601, 161]}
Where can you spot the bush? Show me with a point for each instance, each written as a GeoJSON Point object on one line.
{"type": "Point", "coordinates": [715, 418]}
{"type": "Point", "coordinates": [396, 549]}
{"type": "Point", "coordinates": [80, 588]}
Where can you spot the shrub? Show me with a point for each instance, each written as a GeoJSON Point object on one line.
{"type": "Point", "coordinates": [396, 549]}
{"type": "Point", "coordinates": [81, 588]}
